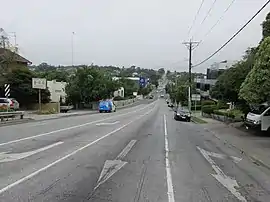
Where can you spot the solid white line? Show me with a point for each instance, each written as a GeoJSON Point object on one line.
{"type": "Point", "coordinates": [126, 150]}
{"type": "Point", "coordinates": [70, 128]}
{"type": "Point", "coordinates": [168, 166]}
{"type": "Point", "coordinates": [68, 155]}
{"type": "Point", "coordinates": [7, 157]}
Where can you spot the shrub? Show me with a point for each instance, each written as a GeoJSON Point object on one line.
{"type": "Point", "coordinates": [222, 105]}
{"type": "Point", "coordinates": [209, 109]}
{"type": "Point", "coordinates": [229, 114]}
{"type": "Point", "coordinates": [208, 102]}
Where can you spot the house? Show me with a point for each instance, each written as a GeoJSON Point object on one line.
{"type": "Point", "coordinates": [9, 59]}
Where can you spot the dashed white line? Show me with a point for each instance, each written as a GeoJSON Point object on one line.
{"type": "Point", "coordinates": [70, 128]}
{"type": "Point", "coordinates": [170, 191]}
{"type": "Point", "coordinates": [68, 155]}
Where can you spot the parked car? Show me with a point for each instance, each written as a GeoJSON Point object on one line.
{"type": "Point", "coordinates": [106, 106]}
{"type": "Point", "coordinates": [15, 105]}
{"type": "Point", "coordinates": [259, 117]}
{"type": "Point", "coordinates": [182, 115]}
{"type": "Point", "coordinates": [4, 104]}
{"type": "Point", "coordinates": [10, 103]}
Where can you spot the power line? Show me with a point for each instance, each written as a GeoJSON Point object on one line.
{"type": "Point", "coordinates": [195, 18]}
{"type": "Point", "coordinates": [208, 13]}
{"type": "Point", "coordinates": [218, 21]}
{"type": "Point", "coordinates": [233, 35]}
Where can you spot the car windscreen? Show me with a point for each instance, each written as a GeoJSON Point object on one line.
{"type": "Point", "coordinates": [258, 109]}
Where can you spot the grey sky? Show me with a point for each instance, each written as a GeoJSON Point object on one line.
{"type": "Point", "coordinates": [146, 33]}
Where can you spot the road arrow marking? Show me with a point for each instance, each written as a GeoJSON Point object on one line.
{"type": "Point", "coordinates": [226, 181]}
{"type": "Point", "coordinates": [126, 150]}
{"type": "Point", "coordinates": [107, 124]}
{"type": "Point", "coordinates": [223, 156]}
{"type": "Point", "coordinates": [112, 166]}
{"type": "Point", "coordinates": [7, 157]}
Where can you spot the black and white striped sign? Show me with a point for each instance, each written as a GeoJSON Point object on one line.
{"type": "Point", "coordinates": [7, 90]}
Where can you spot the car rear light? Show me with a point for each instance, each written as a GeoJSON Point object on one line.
{"type": "Point", "coordinates": [12, 103]}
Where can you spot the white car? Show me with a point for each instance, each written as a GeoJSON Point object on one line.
{"type": "Point", "coordinates": [9, 103]}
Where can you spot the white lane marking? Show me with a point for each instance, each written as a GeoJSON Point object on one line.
{"type": "Point", "coordinates": [69, 155]}
{"type": "Point", "coordinates": [223, 156]}
{"type": "Point", "coordinates": [70, 128]}
{"type": "Point", "coordinates": [168, 166]}
{"type": "Point", "coordinates": [7, 157]}
{"type": "Point", "coordinates": [226, 181]}
{"type": "Point", "coordinates": [107, 124]}
{"type": "Point", "coordinates": [112, 166]}
{"type": "Point", "coordinates": [126, 150]}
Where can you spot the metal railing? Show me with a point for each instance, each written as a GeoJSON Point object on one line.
{"type": "Point", "coordinates": [7, 115]}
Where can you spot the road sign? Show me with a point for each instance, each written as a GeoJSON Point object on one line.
{"type": "Point", "coordinates": [195, 97]}
{"type": "Point", "coordinates": [39, 83]}
{"type": "Point", "coordinates": [7, 90]}
{"type": "Point", "coordinates": [142, 82]}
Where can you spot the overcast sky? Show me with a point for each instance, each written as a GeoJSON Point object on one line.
{"type": "Point", "coordinates": [145, 33]}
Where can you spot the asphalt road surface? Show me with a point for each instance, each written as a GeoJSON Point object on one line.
{"type": "Point", "coordinates": [136, 154]}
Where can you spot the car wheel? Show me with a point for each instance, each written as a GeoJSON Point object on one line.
{"type": "Point", "coordinates": [100, 111]}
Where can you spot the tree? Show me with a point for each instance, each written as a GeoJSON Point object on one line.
{"type": "Point", "coordinates": [20, 80]}
{"type": "Point", "coordinates": [256, 86]}
{"type": "Point", "coordinates": [266, 26]}
{"type": "Point", "coordinates": [229, 82]}
{"type": "Point", "coordinates": [89, 84]}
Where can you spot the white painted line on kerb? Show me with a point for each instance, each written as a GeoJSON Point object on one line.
{"type": "Point", "coordinates": [126, 150]}
{"type": "Point", "coordinates": [107, 124]}
{"type": "Point", "coordinates": [70, 128]}
{"type": "Point", "coordinates": [168, 166]}
{"type": "Point", "coordinates": [69, 155]}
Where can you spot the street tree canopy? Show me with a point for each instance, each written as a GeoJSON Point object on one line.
{"type": "Point", "coordinates": [256, 87]}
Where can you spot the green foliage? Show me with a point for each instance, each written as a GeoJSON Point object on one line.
{"type": "Point", "coordinates": [209, 109]}
{"type": "Point", "coordinates": [208, 102]}
{"type": "Point", "coordinates": [130, 86]}
{"type": "Point", "coordinates": [20, 80]}
{"type": "Point", "coordinates": [88, 85]}
{"type": "Point", "coordinates": [228, 84]}
{"type": "Point", "coordinates": [256, 86]}
{"type": "Point", "coordinates": [266, 26]}
{"type": "Point", "coordinates": [144, 91]}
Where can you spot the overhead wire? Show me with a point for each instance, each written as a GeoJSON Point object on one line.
{"type": "Point", "coordinates": [209, 57]}
{"type": "Point", "coordinates": [207, 15]}
{"type": "Point", "coordinates": [195, 18]}
{"type": "Point", "coordinates": [218, 21]}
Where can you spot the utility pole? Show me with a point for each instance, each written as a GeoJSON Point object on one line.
{"type": "Point", "coordinates": [190, 45]}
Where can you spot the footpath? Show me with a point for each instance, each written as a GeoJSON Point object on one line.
{"type": "Point", "coordinates": [254, 145]}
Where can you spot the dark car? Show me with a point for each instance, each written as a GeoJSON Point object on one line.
{"type": "Point", "coordinates": [182, 115]}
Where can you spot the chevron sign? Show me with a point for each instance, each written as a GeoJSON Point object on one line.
{"type": "Point", "coordinates": [7, 90]}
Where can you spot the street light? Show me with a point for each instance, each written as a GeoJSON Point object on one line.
{"type": "Point", "coordinates": [72, 48]}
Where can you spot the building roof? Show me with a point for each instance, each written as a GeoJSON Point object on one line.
{"type": "Point", "coordinates": [17, 57]}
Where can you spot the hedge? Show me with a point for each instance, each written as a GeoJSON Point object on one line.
{"type": "Point", "coordinates": [208, 102]}
{"type": "Point", "coordinates": [209, 109]}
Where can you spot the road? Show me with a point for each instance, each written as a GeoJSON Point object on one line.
{"type": "Point", "coordinates": [136, 154]}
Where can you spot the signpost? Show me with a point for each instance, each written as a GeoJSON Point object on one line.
{"type": "Point", "coordinates": [39, 83]}
{"type": "Point", "coordinates": [195, 97]}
